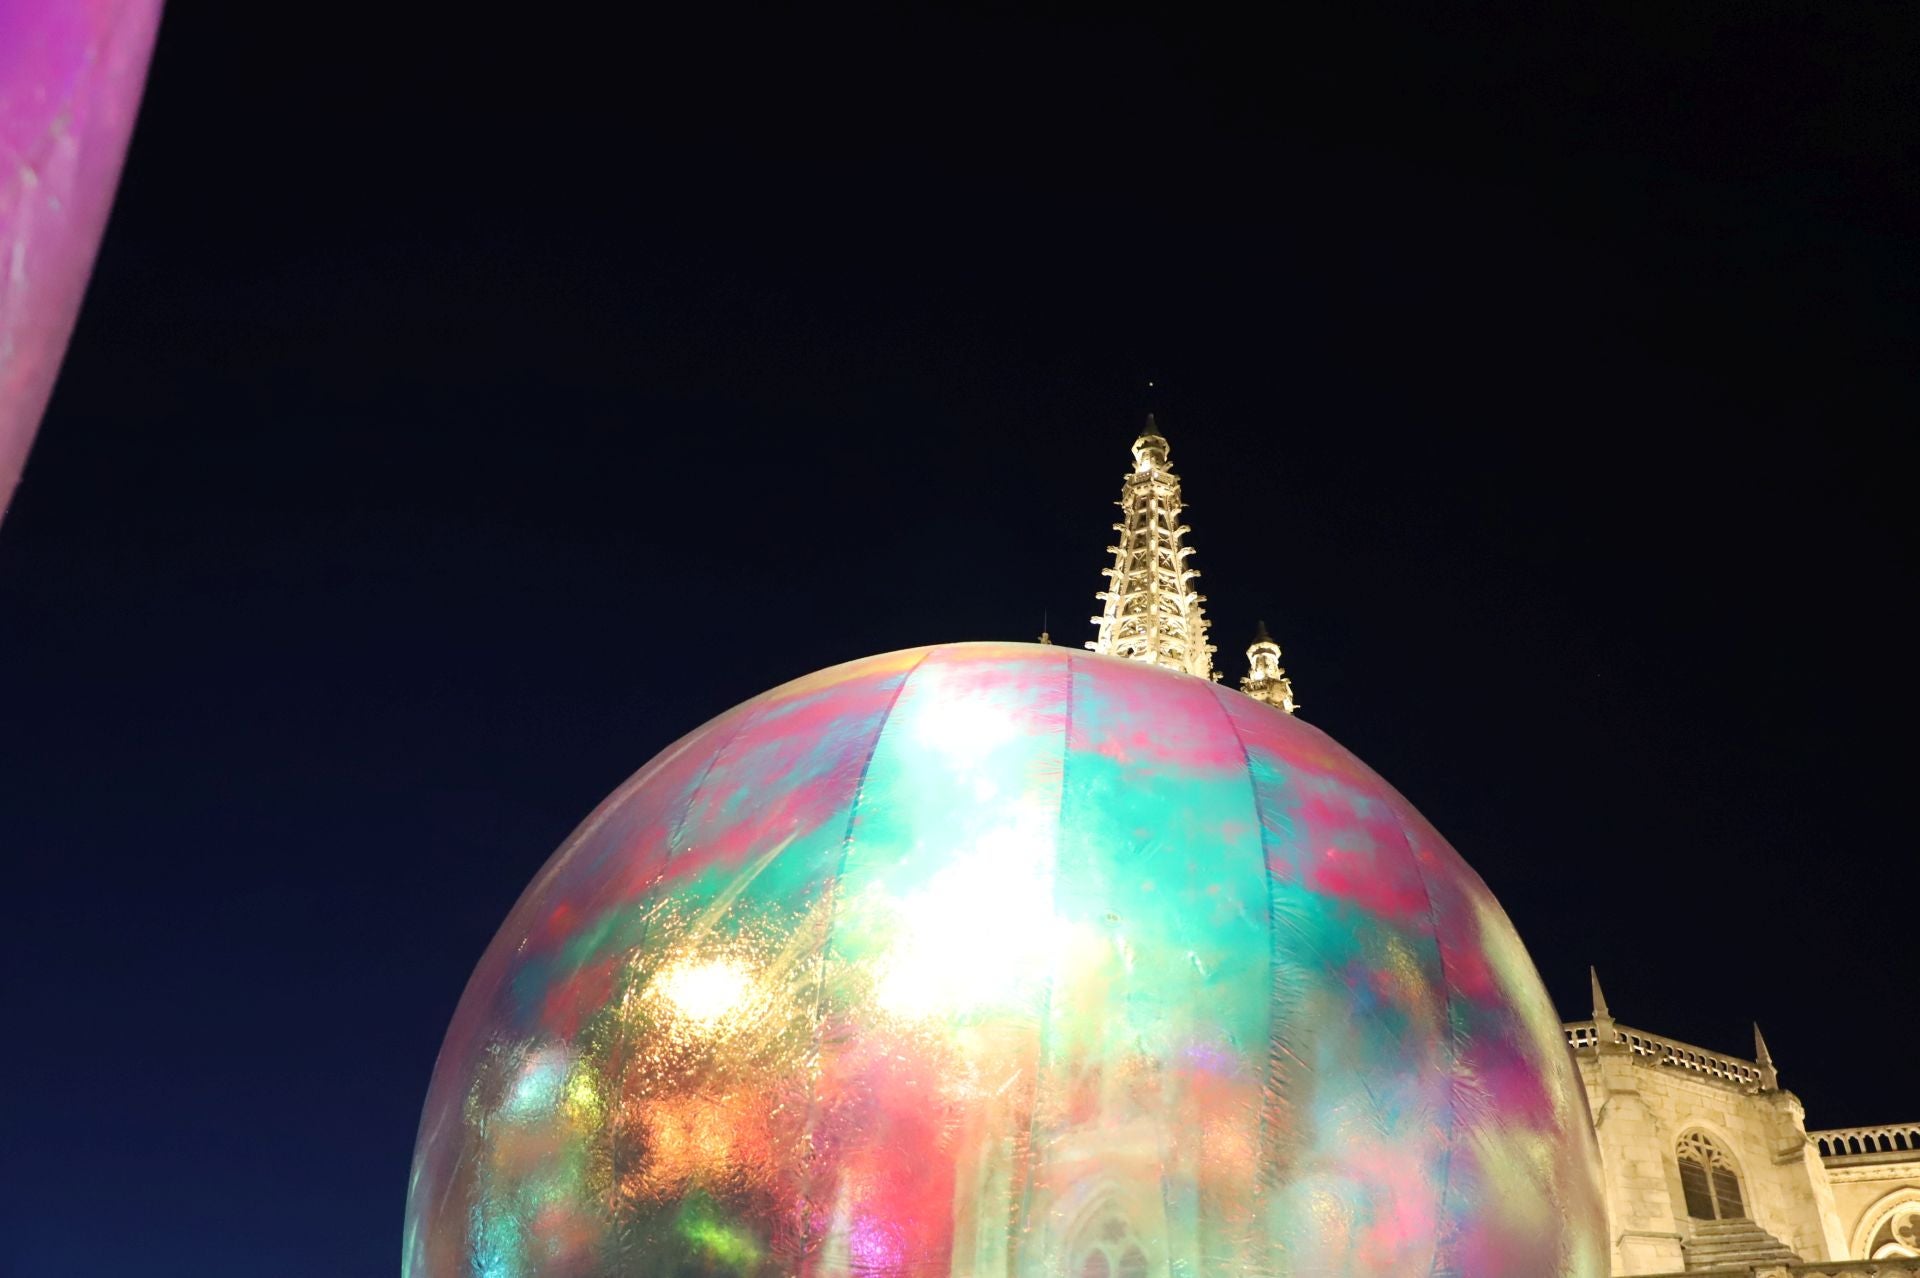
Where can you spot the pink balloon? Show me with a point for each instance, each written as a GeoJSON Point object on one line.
{"type": "Point", "coordinates": [71, 72]}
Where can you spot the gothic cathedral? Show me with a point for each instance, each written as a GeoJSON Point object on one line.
{"type": "Point", "coordinates": [1709, 1165]}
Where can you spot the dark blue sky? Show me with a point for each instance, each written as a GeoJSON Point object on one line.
{"type": "Point", "coordinates": [464, 409]}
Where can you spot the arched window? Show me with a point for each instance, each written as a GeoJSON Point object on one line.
{"type": "Point", "coordinates": [1708, 1179]}
{"type": "Point", "coordinates": [1109, 1249]}
{"type": "Point", "coordinates": [1898, 1237]}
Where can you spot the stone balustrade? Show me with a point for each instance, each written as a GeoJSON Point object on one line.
{"type": "Point", "coordinates": [1581, 1035]}
{"type": "Point", "coordinates": [1855, 1142]}
{"type": "Point", "coordinates": [1812, 1269]}
{"type": "Point", "coordinates": [1585, 1036]}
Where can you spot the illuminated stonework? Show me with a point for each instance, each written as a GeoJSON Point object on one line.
{"type": "Point", "coordinates": [1266, 679]}
{"type": "Point", "coordinates": [1151, 611]}
{"type": "Point", "coordinates": [1708, 1166]}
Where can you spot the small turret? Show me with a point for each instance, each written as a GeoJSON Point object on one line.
{"type": "Point", "coordinates": [1266, 678]}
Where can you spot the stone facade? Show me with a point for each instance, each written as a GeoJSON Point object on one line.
{"type": "Point", "coordinates": [1710, 1167]}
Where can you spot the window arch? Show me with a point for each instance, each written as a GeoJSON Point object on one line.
{"type": "Point", "coordinates": [1890, 1229]}
{"type": "Point", "coordinates": [1708, 1179]}
{"type": "Point", "coordinates": [1108, 1247]}
{"type": "Point", "coordinates": [1898, 1237]}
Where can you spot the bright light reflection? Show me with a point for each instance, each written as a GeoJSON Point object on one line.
{"type": "Point", "coordinates": [966, 731]}
{"type": "Point", "coordinates": [538, 1087]}
{"type": "Point", "coordinates": [983, 927]}
{"type": "Point", "coordinates": [706, 993]}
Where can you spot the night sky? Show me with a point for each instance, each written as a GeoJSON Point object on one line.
{"type": "Point", "coordinates": [464, 409]}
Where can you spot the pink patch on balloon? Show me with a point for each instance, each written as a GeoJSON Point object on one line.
{"type": "Point", "coordinates": [71, 72]}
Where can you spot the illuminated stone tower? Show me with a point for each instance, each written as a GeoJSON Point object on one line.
{"type": "Point", "coordinates": [1151, 611]}
{"type": "Point", "coordinates": [1266, 679]}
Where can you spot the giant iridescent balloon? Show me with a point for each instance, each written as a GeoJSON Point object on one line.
{"type": "Point", "coordinates": [1000, 959]}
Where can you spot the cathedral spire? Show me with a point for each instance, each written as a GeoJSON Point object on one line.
{"type": "Point", "coordinates": [1769, 1076]}
{"type": "Point", "coordinates": [1606, 1035]}
{"type": "Point", "coordinates": [1151, 611]}
{"type": "Point", "coordinates": [1266, 678]}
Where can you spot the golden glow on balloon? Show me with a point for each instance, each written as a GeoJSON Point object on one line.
{"type": "Point", "coordinates": [706, 993]}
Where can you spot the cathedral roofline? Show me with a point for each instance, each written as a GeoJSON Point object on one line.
{"type": "Point", "coordinates": [1151, 611]}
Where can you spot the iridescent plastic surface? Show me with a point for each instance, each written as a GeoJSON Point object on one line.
{"type": "Point", "coordinates": [1005, 959]}
{"type": "Point", "coordinates": [70, 79]}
